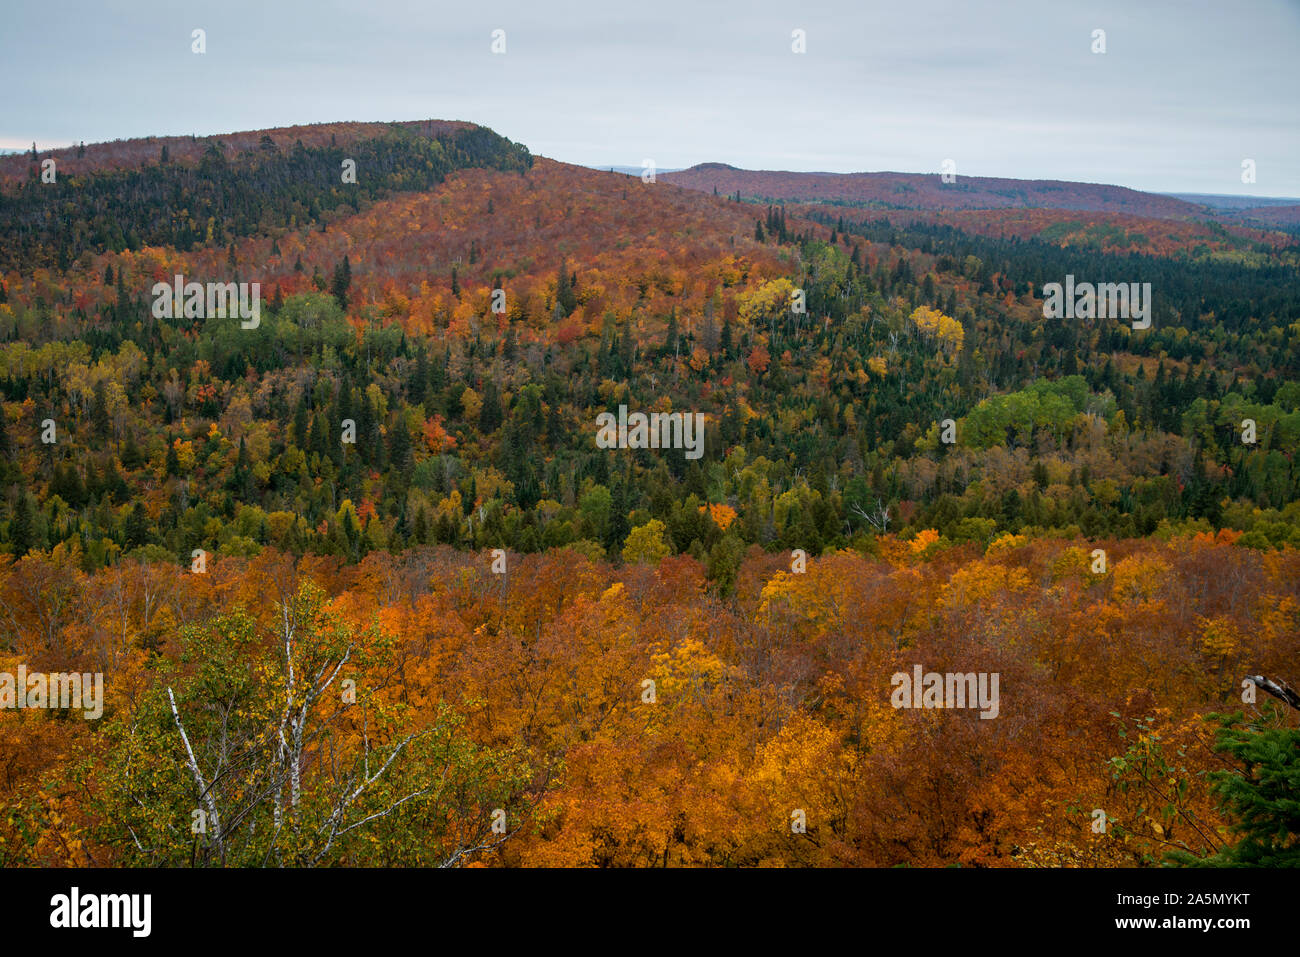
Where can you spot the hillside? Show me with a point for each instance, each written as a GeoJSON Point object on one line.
{"type": "Point", "coordinates": [397, 475]}
{"type": "Point", "coordinates": [928, 191]}
{"type": "Point", "coordinates": [134, 154]}
{"type": "Point", "coordinates": [1270, 217]}
{"type": "Point", "coordinates": [184, 193]}
{"type": "Point", "coordinates": [1112, 232]}
{"type": "Point", "coordinates": [380, 303]}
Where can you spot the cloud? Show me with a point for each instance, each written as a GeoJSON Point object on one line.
{"type": "Point", "coordinates": [1184, 92]}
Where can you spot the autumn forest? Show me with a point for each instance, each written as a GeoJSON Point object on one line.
{"type": "Point", "coordinates": [364, 588]}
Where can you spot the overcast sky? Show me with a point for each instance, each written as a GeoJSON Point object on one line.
{"type": "Point", "coordinates": [1183, 94]}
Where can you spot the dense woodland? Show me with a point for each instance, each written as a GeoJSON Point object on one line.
{"type": "Point", "coordinates": [520, 689]}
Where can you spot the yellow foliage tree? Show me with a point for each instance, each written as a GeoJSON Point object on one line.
{"type": "Point", "coordinates": [645, 544]}
{"type": "Point", "coordinates": [934, 324]}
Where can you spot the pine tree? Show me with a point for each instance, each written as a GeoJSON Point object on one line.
{"type": "Point", "coordinates": [137, 527]}
{"type": "Point", "coordinates": [300, 423]}
{"type": "Point", "coordinates": [490, 416]}
{"type": "Point", "coordinates": [399, 450]}
{"type": "Point", "coordinates": [438, 372]}
{"type": "Point", "coordinates": [132, 458]}
{"type": "Point", "coordinates": [565, 297]}
{"type": "Point", "coordinates": [340, 283]}
{"type": "Point", "coordinates": [122, 306]}
{"type": "Point", "coordinates": [318, 440]}
{"type": "Point", "coordinates": [99, 419]}
{"type": "Point", "coordinates": [417, 387]}
{"type": "Point", "coordinates": [242, 473]}
{"type": "Point", "coordinates": [1259, 800]}
{"type": "Point", "coordinates": [22, 527]}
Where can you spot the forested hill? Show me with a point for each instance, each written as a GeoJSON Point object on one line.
{"type": "Point", "coordinates": [185, 192]}
{"type": "Point", "coordinates": [475, 425]}
{"type": "Point", "coordinates": [888, 190]}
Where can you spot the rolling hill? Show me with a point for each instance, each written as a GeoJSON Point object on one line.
{"type": "Point", "coordinates": [928, 191]}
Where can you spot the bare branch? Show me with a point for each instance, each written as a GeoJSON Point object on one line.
{"type": "Point", "coordinates": [1277, 688]}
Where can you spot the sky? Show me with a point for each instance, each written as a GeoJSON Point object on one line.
{"type": "Point", "coordinates": [1183, 94]}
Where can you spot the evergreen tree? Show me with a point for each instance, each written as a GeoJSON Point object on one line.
{"type": "Point", "coordinates": [490, 416]}
{"type": "Point", "coordinates": [242, 475]}
{"type": "Point", "coordinates": [300, 423]}
{"type": "Point", "coordinates": [137, 527]}
{"type": "Point", "coordinates": [99, 420]}
{"type": "Point", "coordinates": [318, 439]}
{"type": "Point", "coordinates": [418, 385]}
{"type": "Point", "coordinates": [565, 297]}
{"type": "Point", "coordinates": [1260, 799]}
{"type": "Point", "coordinates": [340, 283]}
{"type": "Point", "coordinates": [399, 450]}
{"type": "Point", "coordinates": [22, 527]}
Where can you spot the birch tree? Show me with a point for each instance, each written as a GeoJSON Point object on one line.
{"type": "Point", "coordinates": [294, 747]}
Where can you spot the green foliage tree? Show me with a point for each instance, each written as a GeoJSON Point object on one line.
{"type": "Point", "coordinates": [646, 544]}
{"type": "Point", "coordinates": [1262, 798]}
